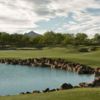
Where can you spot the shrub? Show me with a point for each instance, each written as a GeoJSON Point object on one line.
{"type": "Point", "coordinates": [83, 50]}
{"type": "Point", "coordinates": [92, 49]}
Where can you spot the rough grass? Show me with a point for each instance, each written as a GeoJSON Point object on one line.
{"type": "Point", "coordinates": [74, 94]}
{"type": "Point", "coordinates": [90, 58]}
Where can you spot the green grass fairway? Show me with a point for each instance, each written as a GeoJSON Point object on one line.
{"type": "Point", "coordinates": [90, 58]}
{"type": "Point", "coordinates": [74, 94]}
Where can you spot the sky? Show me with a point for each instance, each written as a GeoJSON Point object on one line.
{"type": "Point", "coordinates": [66, 16]}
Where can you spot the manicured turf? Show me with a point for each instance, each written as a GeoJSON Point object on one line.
{"type": "Point", "coordinates": [74, 94]}
{"type": "Point", "coordinates": [90, 58]}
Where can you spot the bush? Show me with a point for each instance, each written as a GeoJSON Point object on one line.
{"type": "Point", "coordinates": [83, 50]}
{"type": "Point", "coordinates": [87, 49]}
{"type": "Point", "coordinates": [92, 49]}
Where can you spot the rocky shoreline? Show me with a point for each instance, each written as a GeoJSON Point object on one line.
{"type": "Point", "coordinates": [58, 64]}
{"type": "Point", "coordinates": [52, 63]}
{"type": "Point", "coordinates": [66, 86]}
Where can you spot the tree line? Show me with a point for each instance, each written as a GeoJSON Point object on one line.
{"type": "Point", "coordinates": [47, 39]}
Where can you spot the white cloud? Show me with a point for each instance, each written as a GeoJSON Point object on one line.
{"type": "Point", "coordinates": [84, 22]}
{"type": "Point", "coordinates": [22, 15]}
{"type": "Point", "coordinates": [17, 16]}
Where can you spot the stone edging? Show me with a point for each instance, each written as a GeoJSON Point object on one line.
{"type": "Point", "coordinates": [58, 64]}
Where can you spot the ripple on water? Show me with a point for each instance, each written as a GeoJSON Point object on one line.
{"type": "Point", "coordinates": [15, 78]}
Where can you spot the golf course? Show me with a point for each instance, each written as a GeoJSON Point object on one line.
{"type": "Point", "coordinates": [49, 50]}
{"type": "Point", "coordinates": [70, 54]}
{"type": "Point", "coordinates": [79, 94]}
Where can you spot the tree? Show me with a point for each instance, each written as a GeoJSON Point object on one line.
{"type": "Point", "coordinates": [4, 39]}
{"type": "Point", "coordinates": [81, 39]}
{"type": "Point", "coordinates": [49, 38]}
{"type": "Point", "coordinates": [59, 38]}
{"type": "Point", "coordinates": [68, 39]}
{"type": "Point", "coordinates": [37, 42]}
{"type": "Point", "coordinates": [96, 39]}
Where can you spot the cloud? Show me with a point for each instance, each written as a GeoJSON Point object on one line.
{"type": "Point", "coordinates": [84, 20]}
{"type": "Point", "coordinates": [94, 11]}
{"type": "Point", "coordinates": [73, 15]}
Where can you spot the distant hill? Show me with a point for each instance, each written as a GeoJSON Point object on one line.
{"type": "Point", "coordinates": [32, 34]}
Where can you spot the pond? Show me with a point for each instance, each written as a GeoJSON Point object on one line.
{"type": "Point", "coordinates": [15, 79]}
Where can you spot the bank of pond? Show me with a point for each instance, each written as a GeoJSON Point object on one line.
{"type": "Point", "coordinates": [36, 75]}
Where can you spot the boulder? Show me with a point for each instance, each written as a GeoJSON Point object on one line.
{"type": "Point", "coordinates": [96, 82]}
{"type": "Point", "coordinates": [36, 92]}
{"type": "Point", "coordinates": [22, 93]}
{"type": "Point", "coordinates": [46, 90]}
{"type": "Point", "coordinates": [85, 70]}
{"type": "Point", "coordinates": [97, 72]}
{"type": "Point", "coordinates": [83, 84]}
{"type": "Point", "coordinates": [52, 90]}
{"type": "Point", "coordinates": [76, 87]}
{"type": "Point", "coordinates": [66, 86]}
{"type": "Point", "coordinates": [28, 92]}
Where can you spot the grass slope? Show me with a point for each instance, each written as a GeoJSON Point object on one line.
{"type": "Point", "coordinates": [90, 58]}
{"type": "Point", "coordinates": [74, 94]}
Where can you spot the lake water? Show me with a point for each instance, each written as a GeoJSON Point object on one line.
{"type": "Point", "coordinates": [15, 78]}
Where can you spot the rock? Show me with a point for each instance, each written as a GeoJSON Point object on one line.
{"type": "Point", "coordinates": [53, 63]}
{"type": "Point", "coordinates": [46, 90]}
{"type": "Point", "coordinates": [85, 70]}
{"type": "Point", "coordinates": [76, 87]}
{"type": "Point", "coordinates": [90, 85]}
{"type": "Point", "coordinates": [66, 86]}
{"type": "Point", "coordinates": [97, 72]}
{"type": "Point", "coordinates": [28, 92]}
{"type": "Point", "coordinates": [52, 90]}
{"type": "Point", "coordinates": [36, 92]}
{"type": "Point", "coordinates": [96, 82]}
{"type": "Point", "coordinates": [22, 93]}
{"type": "Point", "coordinates": [58, 89]}
{"type": "Point", "coordinates": [83, 84]}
